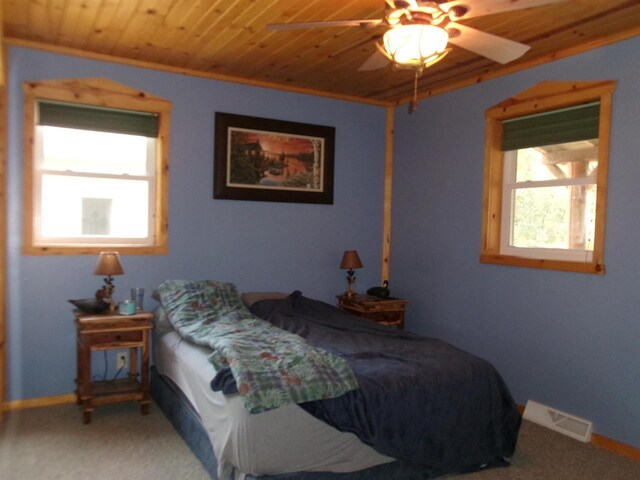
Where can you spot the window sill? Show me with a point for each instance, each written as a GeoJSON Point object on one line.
{"type": "Point", "coordinates": [95, 250]}
{"type": "Point", "coordinates": [561, 265]}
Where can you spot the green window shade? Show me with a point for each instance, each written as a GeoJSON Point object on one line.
{"type": "Point", "coordinates": [551, 128]}
{"type": "Point", "coordinates": [83, 117]}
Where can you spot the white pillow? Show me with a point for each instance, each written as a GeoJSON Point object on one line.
{"type": "Point", "coordinates": [249, 298]}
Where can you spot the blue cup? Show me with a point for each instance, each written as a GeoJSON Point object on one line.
{"type": "Point", "coordinates": [127, 307]}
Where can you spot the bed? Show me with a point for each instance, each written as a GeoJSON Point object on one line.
{"type": "Point", "coordinates": [393, 425]}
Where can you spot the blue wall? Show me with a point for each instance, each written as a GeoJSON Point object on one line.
{"type": "Point", "coordinates": [256, 245]}
{"type": "Point", "coordinates": [571, 341]}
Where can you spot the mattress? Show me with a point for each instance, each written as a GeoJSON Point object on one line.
{"type": "Point", "coordinates": [283, 440]}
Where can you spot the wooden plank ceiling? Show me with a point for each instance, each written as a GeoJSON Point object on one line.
{"type": "Point", "coordinates": [227, 39]}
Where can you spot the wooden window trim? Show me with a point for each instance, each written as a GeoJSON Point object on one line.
{"type": "Point", "coordinates": [103, 93]}
{"type": "Point", "coordinates": [543, 97]}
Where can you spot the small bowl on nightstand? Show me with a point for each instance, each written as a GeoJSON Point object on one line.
{"type": "Point", "coordinates": [90, 305]}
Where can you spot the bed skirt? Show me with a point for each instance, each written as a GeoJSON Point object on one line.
{"type": "Point", "coordinates": [187, 423]}
{"type": "Point", "coordinates": [184, 419]}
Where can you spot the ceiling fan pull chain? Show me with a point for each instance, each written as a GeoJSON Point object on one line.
{"type": "Point", "coordinates": [413, 105]}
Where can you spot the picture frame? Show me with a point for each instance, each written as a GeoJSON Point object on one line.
{"type": "Point", "coordinates": [270, 160]}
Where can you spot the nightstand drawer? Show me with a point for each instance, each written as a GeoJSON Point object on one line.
{"type": "Point", "coordinates": [385, 317]}
{"type": "Point", "coordinates": [112, 338]}
{"type": "Point", "coordinates": [374, 307]}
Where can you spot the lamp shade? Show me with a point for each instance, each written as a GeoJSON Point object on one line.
{"type": "Point", "coordinates": [350, 259]}
{"type": "Point", "coordinates": [109, 264]}
{"type": "Point", "coordinates": [415, 45]}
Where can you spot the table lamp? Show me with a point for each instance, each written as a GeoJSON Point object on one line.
{"type": "Point", "coordinates": [109, 265]}
{"type": "Point", "coordinates": [350, 260]}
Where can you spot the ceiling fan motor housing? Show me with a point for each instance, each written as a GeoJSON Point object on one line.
{"type": "Point", "coordinates": [428, 14]}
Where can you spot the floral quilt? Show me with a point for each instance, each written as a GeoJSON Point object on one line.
{"type": "Point", "coordinates": [271, 367]}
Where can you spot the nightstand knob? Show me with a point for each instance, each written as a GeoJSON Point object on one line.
{"type": "Point", "coordinates": [118, 337]}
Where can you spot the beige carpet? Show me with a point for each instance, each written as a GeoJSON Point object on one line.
{"type": "Point", "coordinates": [119, 443]}
{"type": "Point", "coordinates": [52, 443]}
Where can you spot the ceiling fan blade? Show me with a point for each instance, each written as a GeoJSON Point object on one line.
{"type": "Point", "coordinates": [330, 23]}
{"type": "Point", "coordinates": [498, 49]}
{"type": "Point", "coordinates": [376, 61]}
{"type": "Point", "coordinates": [478, 8]}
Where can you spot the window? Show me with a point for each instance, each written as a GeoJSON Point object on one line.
{"type": "Point", "coordinates": [96, 165]}
{"type": "Point", "coordinates": [545, 177]}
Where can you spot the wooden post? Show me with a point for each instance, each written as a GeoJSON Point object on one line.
{"type": "Point", "coordinates": [388, 177]}
{"type": "Point", "coordinates": [577, 227]}
{"type": "Point", "coordinates": [3, 220]}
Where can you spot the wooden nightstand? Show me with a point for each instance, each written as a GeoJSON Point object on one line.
{"type": "Point", "coordinates": [388, 311]}
{"type": "Point", "coordinates": [110, 331]}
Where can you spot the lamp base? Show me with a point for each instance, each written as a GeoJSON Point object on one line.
{"type": "Point", "coordinates": [112, 305]}
{"type": "Point", "coordinates": [351, 281]}
{"type": "Point", "coordinates": [105, 294]}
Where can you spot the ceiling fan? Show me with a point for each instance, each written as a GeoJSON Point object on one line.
{"type": "Point", "coordinates": [419, 31]}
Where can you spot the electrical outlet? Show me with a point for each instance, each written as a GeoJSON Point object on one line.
{"type": "Point", "coordinates": [123, 360]}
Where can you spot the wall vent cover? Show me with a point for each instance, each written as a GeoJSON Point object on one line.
{"type": "Point", "coordinates": [558, 421]}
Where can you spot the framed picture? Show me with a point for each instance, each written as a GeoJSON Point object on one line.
{"type": "Point", "coordinates": [272, 160]}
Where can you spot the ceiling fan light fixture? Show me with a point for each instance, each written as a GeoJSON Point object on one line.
{"type": "Point", "coordinates": [415, 46]}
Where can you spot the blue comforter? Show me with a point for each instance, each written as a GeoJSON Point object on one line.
{"type": "Point", "coordinates": [420, 399]}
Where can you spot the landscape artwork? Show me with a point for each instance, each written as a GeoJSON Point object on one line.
{"type": "Point", "coordinates": [270, 160]}
{"type": "Point", "coordinates": [273, 160]}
